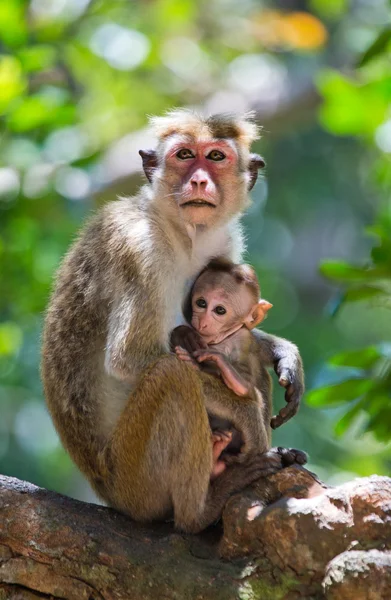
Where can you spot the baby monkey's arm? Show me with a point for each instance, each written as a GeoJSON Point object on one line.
{"type": "Point", "coordinates": [234, 380]}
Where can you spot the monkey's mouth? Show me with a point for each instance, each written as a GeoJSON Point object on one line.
{"type": "Point", "coordinates": [198, 203]}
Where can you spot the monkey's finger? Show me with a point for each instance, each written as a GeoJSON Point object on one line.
{"type": "Point", "coordinates": [203, 357]}
{"type": "Point", "coordinates": [222, 434]}
{"type": "Point", "coordinates": [284, 377]}
{"type": "Point", "coordinates": [276, 421]}
{"type": "Point", "coordinates": [180, 350]}
{"type": "Point", "coordinates": [292, 398]}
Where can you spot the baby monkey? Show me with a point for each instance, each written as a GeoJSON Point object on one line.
{"type": "Point", "coordinates": [225, 307]}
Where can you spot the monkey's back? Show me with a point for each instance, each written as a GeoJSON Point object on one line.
{"type": "Point", "coordinates": [83, 399]}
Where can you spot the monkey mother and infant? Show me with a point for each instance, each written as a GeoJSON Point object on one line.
{"type": "Point", "coordinates": [158, 434]}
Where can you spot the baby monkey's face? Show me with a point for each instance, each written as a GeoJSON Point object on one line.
{"type": "Point", "coordinates": [217, 313]}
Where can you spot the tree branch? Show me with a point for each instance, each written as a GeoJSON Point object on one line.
{"type": "Point", "coordinates": [308, 541]}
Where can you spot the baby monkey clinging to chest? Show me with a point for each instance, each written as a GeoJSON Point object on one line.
{"type": "Point", "coordinates": [225, 307]}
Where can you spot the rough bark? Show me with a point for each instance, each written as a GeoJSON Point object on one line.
{"type": "Point", "coordinates": [310, 541]}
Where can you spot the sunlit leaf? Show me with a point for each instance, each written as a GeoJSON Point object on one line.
{"type": "Point", "coordinates": [362, 359]}
{"type": "Point", "coordinates": [11, 338]}
{"type": "Point", "coordinates": [12, 82]}
{"type": "Point", "coordinates": [303, 31]}
{"type": "Point", "coordinates": [37, 58]}
{"type": "Point", "coordinates": [340, 392]}
{"type": "Point", "coordinates": [379, 46]}
{"type": "Point", "coordinates": [38, 110]}
{"type": "Point", "coordinates": [342, 271]}
{"type": "Point", "coordinates": [329, 8]}
{"type": "Point", "coordinates": [345, 107]}
{"type": "Point", "coordinates": [13, 29]}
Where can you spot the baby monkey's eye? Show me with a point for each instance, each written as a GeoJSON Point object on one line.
{"type": "Point", "coordinates": [184, 153]}
{"type": "Point", "coordinates": [216, 155]}
{"type": "Point", "coordinates": [201, 303]}
{"type": "Point", "coordinates": [220, 310]}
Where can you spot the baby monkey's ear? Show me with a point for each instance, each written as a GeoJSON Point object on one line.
{"type": "Point", "coordinates": [257, 314]}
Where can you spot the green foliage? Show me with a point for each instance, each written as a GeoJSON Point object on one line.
{"type": "Point", "coordinates": [359, 105]}
{"type": "Point", "coordinates": [370, 391]}
{"type": "Point", "coordinates": [379, 47]}
{"type": "Point", "coordinates": [77, 81]}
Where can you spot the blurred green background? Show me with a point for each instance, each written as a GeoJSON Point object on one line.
{"type": "Point", "coordinates": [77, 79]}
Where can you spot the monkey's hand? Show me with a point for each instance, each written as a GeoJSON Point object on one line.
{"type": "Point", "coordinates": [285, 357]}
{"type": "Point", "coordinates": [183, 354]}
{"type": "Point", "coordinates": [232, 379]}
{"type": "Point", "coordinates": [293, 384]}
{"type": "Point", "coordinates": [188, 338]}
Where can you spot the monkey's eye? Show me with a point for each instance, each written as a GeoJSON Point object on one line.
{"type": "Point", "coordinates": [184, 154]}
{"type": "Point", "coordinates": [216, 155]}
{"type": "Point", "coordinates": [201, 303]}
{"type": "Point", "coordinates": [220, 310]}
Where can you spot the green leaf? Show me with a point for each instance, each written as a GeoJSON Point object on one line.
{"type": "Point", "coordinates": [40, 109]}
{"type": "Point", "coordinates": [360, 359]}
{"type": "Point", "coordinates": [13, 23]}
{"type": "Point", "coordinates": [37, 58]}
{"type": "Point", "coordinates": [379, 46]}
{"type": "Point", "coordinates": [381, 255]}
{"type": "Point", "coordinates": [340, 392]}
{"type": "Point", "coordinates": [344, 272]}
{"type": "Point", "coordinates": [12, 82]}
{"type": "Point", "coordinates": [380, 422]}
{"type": "Point", "coordinates": [363, 292]}
{"type": "Point", "coordinates": [345, 107]}
{"type": "Point", "coordinates": [349, 417]}
{"type": "Point", "coordinates": [11, 338]}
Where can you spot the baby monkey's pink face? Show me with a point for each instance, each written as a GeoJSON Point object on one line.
{"type": "Point", "coordinates": [215, 314]}
{"type": "Point", "coordinates": [220, 310]}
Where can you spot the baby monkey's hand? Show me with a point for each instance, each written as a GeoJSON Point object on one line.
{"type": "Point", "coordinates": [232, 379]}
{"type": "Point", "coordinates": [187, 338]}
{"type": "Point", "coordinates": [184, 355]}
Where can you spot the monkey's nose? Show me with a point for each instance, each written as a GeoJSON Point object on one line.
{"type": "Point", "coordinates": [198, 182]}
{"type": "Point", "coordinates": [203, 325]}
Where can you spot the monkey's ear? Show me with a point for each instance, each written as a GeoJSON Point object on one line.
{"type": "Point", "coordinates": [256, 162]}
{"type": "Point", "coordinates": [149, 158]}
{"type": "Point", "coordinates": [257, 314]}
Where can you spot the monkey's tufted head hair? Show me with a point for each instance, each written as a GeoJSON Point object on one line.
{"type": "Point", "coordinates": [242, 129]}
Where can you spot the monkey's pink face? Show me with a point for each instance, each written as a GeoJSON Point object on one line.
{"type": "Point", "coordinates": [216, 314]}
{"type": "Point", "coordinates": [204, 176]}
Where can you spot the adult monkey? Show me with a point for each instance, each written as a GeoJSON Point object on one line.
{"type": "Point", "coordinates": [117, 297]}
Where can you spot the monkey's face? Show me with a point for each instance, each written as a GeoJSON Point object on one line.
{"type": "Point", "coordinates": [203, 178]}
{"type": "Point", "coordinates": [217, 312]}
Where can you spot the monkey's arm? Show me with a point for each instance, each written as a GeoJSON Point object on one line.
{"type": "Point", "coordinates": [135, 336]}
{"type": "Point", "coordinates": [234, 380]}
{"type": "Point", "coordinates": [285, 358]}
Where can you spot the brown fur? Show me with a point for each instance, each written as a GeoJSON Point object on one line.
{"type": "Point", "coordinates": [133, 418]}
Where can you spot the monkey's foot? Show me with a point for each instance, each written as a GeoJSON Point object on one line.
{"type": "Point", "coordinates": [220, 440]}
{"type": "Point", "coordinates": [290, 456]}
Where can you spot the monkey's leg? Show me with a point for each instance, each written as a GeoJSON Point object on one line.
{"type": "Point", "coordinates": [220, 440]}
{"type": "Point", "coordinates": [160, 454]}
{"type": "Point", "coordinates": [245, 413]}
{"type": "Point", "coordinates": [234, 479]}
